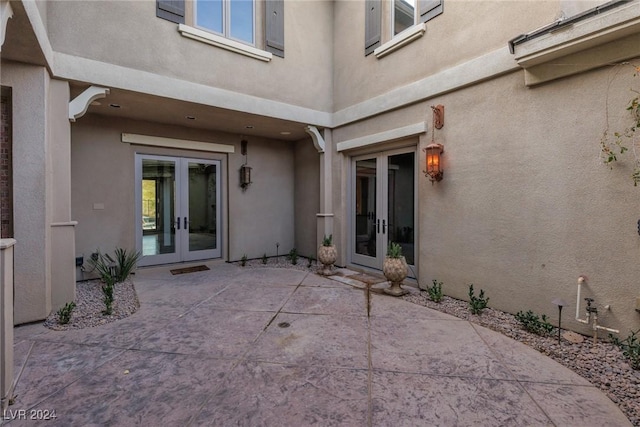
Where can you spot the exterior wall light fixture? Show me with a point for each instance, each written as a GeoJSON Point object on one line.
{"type": "Point", "coordinates": [434, 164]}
{"type": "Point", "coordinates": [434, 150]}
{"type": "Point", "coordinates": [245, 169]}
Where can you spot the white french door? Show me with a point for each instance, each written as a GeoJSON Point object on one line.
{"type": "Point", "coordinates": [177, 209]}
{"type": "Point", "coordinates": [382, 206]}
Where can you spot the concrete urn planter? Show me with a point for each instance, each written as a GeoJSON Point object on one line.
{"type": "Point", "coordinates": [327, 255]}
{"type": "Point", "coordinates": [395, 270]}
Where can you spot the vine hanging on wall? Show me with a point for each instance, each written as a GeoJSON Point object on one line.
{"type": "Point", "coordinates": [613, 146]}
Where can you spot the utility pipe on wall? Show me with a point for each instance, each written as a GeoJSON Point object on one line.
{"type": "Point", "coordinates": [590, 310]}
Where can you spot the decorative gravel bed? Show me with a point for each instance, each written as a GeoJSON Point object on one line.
{"type": "Point", "coordinates": [89, 306]}
{"type": "Point", "coordinates": [603, 364]}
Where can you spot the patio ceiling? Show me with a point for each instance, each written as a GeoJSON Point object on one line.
{"type": "Point", "coordinates": [137, 106]}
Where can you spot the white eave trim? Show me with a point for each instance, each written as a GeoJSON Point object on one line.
{"type": "Point", "coordinates": [386, 136]}
{"type": "Point", "coordinates": [224, 43]}
{"type": "Point", "coordinates": [606, 27]}
{"type": "Point", "coordinates": [157, 141]}
{"type": "Point", "coordinates": [402, 39]}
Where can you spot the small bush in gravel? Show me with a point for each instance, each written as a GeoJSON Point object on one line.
{"type": "Point", "coordinates": [477, 303]}
{"type": "Point", "coordinates": [64, 314]}
{"type": "Point", "coordinates": [630, 347]}
{"type": "Point", "coordinates": [264, 259]}
{"type": "Point", "coordinates": [435, 291]}
{"type": "Point", "coordinates": [125, 263]}
{"type": "Point", "coordinates": [107, 290]}
{"type": "Point", "coordinates": [533, 323]}
{"type": "Point", "coordinates": [293, 256]}
{"type": "Point", "coordinates": [243, 260]}
{"type": "Point", "coordinates": [309, 261]}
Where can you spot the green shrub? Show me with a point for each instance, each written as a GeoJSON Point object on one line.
{"type": "Point", "coordinates": [125, 263]}
{"type": "Point", "coordinates": [118, 269]}
{"type": "Point", "coordinates": [293, 256]}
{"type": "Point", "coordinates": [107, 290]}
{"type": "Point", "coordinates": [533, 323]}
{"type": "Point", "coordinates": [243, 260]}
{"type": "Point", "coordinates": [435, 291]}
{"type": "Point", "coordinates": [64, 314]}
{"type": "Point", "coordinates": [264, 259]}
{"type": "Point", "coordinates": [630, 347]}
{"type": "Point", "coordinates": [394, 250]}
{"type": "Point", "coordinates": [327, 241]}
{"type": "Point", "coordinates": [479, 303]}
{"type": "Point", "coordinates": [309, 261]}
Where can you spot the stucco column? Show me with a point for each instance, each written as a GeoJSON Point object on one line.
{"type": "Point", "coordinates": [325, 216]}
{"type": "Point", "coordinates": [6, 321]}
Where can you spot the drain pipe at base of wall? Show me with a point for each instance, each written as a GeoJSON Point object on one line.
{"type": "Point", "coordinates": [6, 322]}
{"type": "Point", "coordinates": [592, 313]}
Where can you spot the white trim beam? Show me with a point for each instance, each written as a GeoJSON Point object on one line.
{"type": "Point", "coordinates": [157, 141]}
{"type": "Point", "coordinates": [386, 136]}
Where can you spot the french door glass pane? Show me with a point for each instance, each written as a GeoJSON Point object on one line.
{"type": "Point", "coordinates": [365, 207]}
{"type": "Point", "coordinates": [202, 206]}
{"type": "Point", "coordinates": [400, 212]}
{"type": "Point", "coordinates": [158, 206]}
{"type": "Point", "coordinates": [209, 15]}
{"type": "Point", "coordinates": [242, 20]}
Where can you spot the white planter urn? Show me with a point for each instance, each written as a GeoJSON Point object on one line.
{"type": "Point", "coordinates": [327, 255]}
{"type": "Point", "coordinates": [395, 270]}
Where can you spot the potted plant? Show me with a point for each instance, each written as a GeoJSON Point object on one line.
{"type": "Point", "coordinates": [327, 255]}
{"type": "Point", "coordinates": [395, 270]}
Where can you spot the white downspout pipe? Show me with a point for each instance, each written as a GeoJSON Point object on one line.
{"type": "Point", "coordinates": [581, 280]}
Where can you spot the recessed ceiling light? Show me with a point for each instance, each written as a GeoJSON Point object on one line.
{"type": "Point", "coordinates": [96, 103]}
{"type": "Point", "coordinates": [114, 105]}
{"type": "Point", "coordinates": [285, 133]}
{"type": "Point", "coordinates": [249, 127]}
{"type": "Point", "coordinates": [190, 117]}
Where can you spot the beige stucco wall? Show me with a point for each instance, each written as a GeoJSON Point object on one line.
{"type": "Point", "coordinates": [103, 173]}
{"type": "Point", "coordinates": [526, 205]}
{"type": "Point", "coordinates": [132, 36]}
{"type": "Point", "coordinates": [307, 197]}
{"type": "Point", "coordinates": [30, 86]}
{"type": "Point", "coordinates": [358, 78]}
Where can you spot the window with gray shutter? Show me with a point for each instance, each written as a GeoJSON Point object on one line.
{"type": "Point", "coordinates": [171, 10]}
{"type": "Point", "coordinates": [275, 27]}
{"type": "Point", "coordinates": [372, 25]}
{"type": "Point", "coordinates": [430, 9]}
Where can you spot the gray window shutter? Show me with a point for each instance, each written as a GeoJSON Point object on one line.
{"type": "Point", "coordinates": [171, 10]}
{"type": "Point", "coordinates": [275, 27]}
{"type": "Point", "coordinates": [372, 25]}
{"type": "Point", "coordinates": [430, 9]}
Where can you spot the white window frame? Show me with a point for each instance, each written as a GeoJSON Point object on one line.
{"type": "Point", "coordinates": [226, 22]}
{"type": "Point", "coordinates": [393, 18]}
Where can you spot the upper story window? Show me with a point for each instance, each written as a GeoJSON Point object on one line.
{"type": "Point", "coordinates": [405, 18]}
{"type": "Point", "coordinates": [404, 15]}
{"type": "Point", "coordinates": [249, 27]}
{"type": "Point", "coordinates": [233, 19]}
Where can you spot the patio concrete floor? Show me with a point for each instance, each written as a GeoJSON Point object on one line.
{"type": "Point", "coordinates": [277, 347]}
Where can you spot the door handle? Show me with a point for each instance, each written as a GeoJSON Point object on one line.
{"type": "Point", "coordinates": [384, 227]}
{"type": "Point", "coordinates": [185, 223]}
{"type": "Point", "coordinates": [378, 226]}
{"type": "Point", "coordinates": [178, 223]}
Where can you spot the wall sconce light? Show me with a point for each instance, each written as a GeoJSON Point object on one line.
{"type": "Point", "coordinates": [245, 170]}
{"type": "Point", "coordinates": [434, 150]}
{"type": "Point", "coordinates": [434, 164]}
